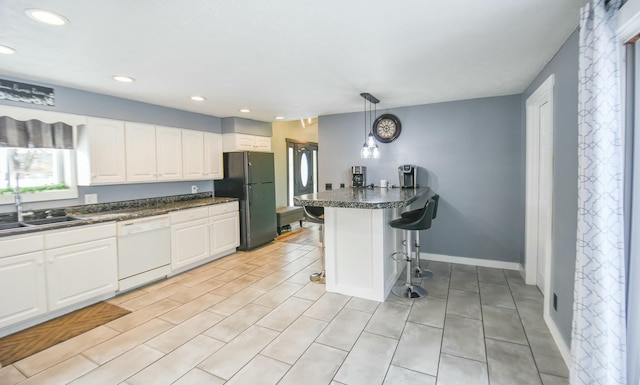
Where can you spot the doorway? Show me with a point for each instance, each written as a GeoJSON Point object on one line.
{"type": "Point", "coordinates": [539, 188]}
{"type": "Point", "coordinates": [302, 169]}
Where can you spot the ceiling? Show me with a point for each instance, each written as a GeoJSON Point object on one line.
{"type": "Point", "coordinates": [290, 58]}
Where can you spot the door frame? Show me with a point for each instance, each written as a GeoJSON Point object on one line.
{"type": "Point", "coordinates": [289, 142]}
{"type": "Point", "coordinates": [541, 96]}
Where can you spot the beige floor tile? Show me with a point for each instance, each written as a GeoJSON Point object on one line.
{"type": "Point", "coordinates": [292, 342]}
{"type": "Point", "coordinates": [177, 363]}
{"type": "Point", "coordinates": [196, 279]}
{"type": "Point", "coordinates": [127, 296]}
{"type": "Point", "coordinates": [428, 311]}
{"type": "Point", "coordinates": [151, 297]}
{"type": "Point", "coordinates": [401, 376]}
{"type": "Point", "coordinates": [344, 329]}
{"type": "Point", "coordinates": [317, 366]}
{"type": "Point", "coordinates": [282, 316]}
{"type": "Point", "coordinates": [236, 301]}
{"type": "Point", "coordinates": [184, 332]}
{"type": "Point", "coordinates": [143, 315]}
{"type": "Point", "coordinates": [273, 279]}
{"type": "Point", "coordinates": [260, 370]}
{"type": "Point", "coordinates": [388, 320]}
{"type": "Point", "coordinates": [126, 341]}
{"type": "Point", "coordinates": [189, 309]}
{"type": "Point", "coordinates": [120, 368]}
{"type": "Point", "coordinates": [199, 377]}
{"type": "Point", "coordinates": [190, 293]}
{"type": "Point", "coordinates": [235, 273]}
{"type": "Point", "coordinates": [368, 361]}
{"type": "Point", "coordinates": [419, 348]}
{"type": "Point", "coordinates": [231, 358]}
{"type": "Point", "coordinates": [278, 294]}
{"type": "Point", "coordinates": [302, 277]}
{"type": "Point", "coordinates": [9, 375]}
{"type": "Point", "coordinates": [62, 373]}
{"type": "Point", "coordinates": [61, 352]}
{"type": "Point", "coordinates": [300, 263]}
{"type": "Point", "coordinates": [511, 364]}
{"type": "Point", "coordinates": [361, 304]}
{"type": "Point", "coordinates": [327, 306]}
{"type": "Point", "coordinates": [311, 291]}
{"type": "Point", "coordinates": [232, 326]}
{"type": "Point", "coordinates": [503, 324]}
{"type": "Point", "coordinates": [457, 371]}
{"type": "Point", "coordinates": [235, 286]}
{"type": "Point", "coordinates": [463, 337]}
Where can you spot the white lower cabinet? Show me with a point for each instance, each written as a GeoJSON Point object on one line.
{"type": "Point", "coordinates": [224, 227]}
{"type": "Point", "coordinates": [189, 237]}
{"type": "Point", "coordinates": [82, 271]}
{"type": "Point", "coordinates": [22, 287]}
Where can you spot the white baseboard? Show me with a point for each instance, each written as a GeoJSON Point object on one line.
{"type": "Point", "coordinates": [472, 261]}
{"type": "Point", "coordinates": [565, 351]}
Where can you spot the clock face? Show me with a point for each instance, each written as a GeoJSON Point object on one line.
{"type": "Point", "coordinates": [386, 128]}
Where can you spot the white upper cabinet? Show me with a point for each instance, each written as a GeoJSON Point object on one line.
{"type": "Point", "coordinates": [245, 142]}
{"type": "Point", "coordinates": [213, 156]}
{"type": "Point", "coordinates": [101, 152]}
{"type": "Point", "coordinates": [169, 153]}
{"type": "Point", "coordinates": [192, 155]}
{"type": "Point", "coordinates": [140, 142]}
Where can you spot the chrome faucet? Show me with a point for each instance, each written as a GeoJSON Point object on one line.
{"type": "Point", "coordinates": [19, 214]}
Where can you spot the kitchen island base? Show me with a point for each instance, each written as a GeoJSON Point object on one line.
{"type": "Point", "coordinates": [358, 247]}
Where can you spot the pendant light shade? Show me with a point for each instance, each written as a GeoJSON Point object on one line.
{"type": "Point", "coordinates": [369, 148]}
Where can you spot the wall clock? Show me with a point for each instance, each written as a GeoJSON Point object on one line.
{"type": "Point", "coordinates": [386, 128]}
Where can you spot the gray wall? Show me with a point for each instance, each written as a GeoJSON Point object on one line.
{"type": "Point", "coordinates": [246, 126]}
{"type": "Point", "coordinates": [467, 151]}
{"type": "Point", "coordinates": [80, 102]}
{"type": "Point", "coordinates": [565, 176]}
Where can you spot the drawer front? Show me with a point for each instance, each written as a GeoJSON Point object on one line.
{"type": "Point", "coordinates": [79, 234]}
{"type": "Point", "coordinates": [223, 208]}
{"type": "Point", "coordinates": [189, 215]}
{"type": "Point", "coordinates": [21, 244]}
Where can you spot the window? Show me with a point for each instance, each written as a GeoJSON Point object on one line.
{"type": "Point", "coordinates": [42, 173]}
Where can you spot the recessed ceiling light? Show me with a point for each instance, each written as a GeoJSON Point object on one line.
{"type": "Point", "coordinates": [7, 50]}
{"type": "Point", "coordinates": [198, 98]}
{"type": "Point", "coordinates": [124, 79]}
{"type": "Point", "coordinates": [46, 17]}
{"type": "Point", "coordinates": [278, 117]}
{"type": "Point", "coordinates": [245, 110]}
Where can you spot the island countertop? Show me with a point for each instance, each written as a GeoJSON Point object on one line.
{"type": "Point", "coordinates": [362, 198]}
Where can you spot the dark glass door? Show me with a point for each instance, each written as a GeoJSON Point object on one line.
{"type": "Point", "coordinates": [302, 159]}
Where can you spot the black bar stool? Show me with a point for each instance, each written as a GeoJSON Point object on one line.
{"type": "Point", "coordinates": [421, 221]}
{"type": "Point", "coordinates": [316, 215]}
{"type": "Point", "coordinates": [418, 272]}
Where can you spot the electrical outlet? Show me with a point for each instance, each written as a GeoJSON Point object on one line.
{"type": "Point", "coordinates": [194, 189]}
{"type": "Point", "coordinates": [555, 302]}
{"type": "Point", "coordinates": [90, 199]}
{"type": "Point", "coordinates": [328, 186]}
{"type": "Point", "coordinates": [341, 185]}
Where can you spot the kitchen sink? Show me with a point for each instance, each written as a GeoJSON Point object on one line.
{"type": "Point", "coordinates": [36, 222]}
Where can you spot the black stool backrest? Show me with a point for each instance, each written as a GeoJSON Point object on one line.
{"type": "Point", "coordinates": [436, 198]}
{"type": "Point", "coordinates": [314, 214]}
{"type": "Point", "coordinates": [422, 222]}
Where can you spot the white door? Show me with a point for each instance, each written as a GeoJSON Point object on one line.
{"type": "Point", "coordinates": [539, 190]}
{"type": "Point", "coordinates": [192, 154]}
{"type": "Point", "coordinates": [107, 150]}
{"type": "Point", "coordinates": [189, 243]}
{"type": "Point", "coordinates": [213, 156]}
{"type": "Point", "coordinates": [169, 153]}
{"type": "Point", "coordinates": [224, 232]}
{"type": "Point", "coordinates": [22, 288]}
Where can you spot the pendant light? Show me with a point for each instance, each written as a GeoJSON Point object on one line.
{"type": "Point", "coordinates": [369, 148]}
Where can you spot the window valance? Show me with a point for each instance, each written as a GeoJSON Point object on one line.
{"type": "Point", "coordinates": [35, 134]}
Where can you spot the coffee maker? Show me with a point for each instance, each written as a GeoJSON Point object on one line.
{"type": "Point", "coordinates": [358, 176]}
{"type": "Point", "coordinates": [407, 174]}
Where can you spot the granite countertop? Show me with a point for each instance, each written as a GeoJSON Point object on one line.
{"type": "Point", "coordinates": [362, 198]}
{"type": "Point", "coordinates": [114, 211]}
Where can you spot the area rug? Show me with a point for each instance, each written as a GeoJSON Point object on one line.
{"type": "Point", "coordinates": [17, 346]}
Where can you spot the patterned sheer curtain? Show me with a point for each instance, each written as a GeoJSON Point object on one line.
{"type": "Point", "coordinates": [598, 343]}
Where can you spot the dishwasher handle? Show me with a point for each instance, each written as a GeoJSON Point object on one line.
{"type": "Point", "coordinates": [141, 226]}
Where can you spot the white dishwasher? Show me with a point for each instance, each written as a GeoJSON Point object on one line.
{"type": "Point", "coordinates": [144, 250]}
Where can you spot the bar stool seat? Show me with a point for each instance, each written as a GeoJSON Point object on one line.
{"type": "Point", "coordinates": [418, 271]}
{"type": "Point", "coordinates": [316, 215]}
{"type": "Point", "coordinates": [419, 221]}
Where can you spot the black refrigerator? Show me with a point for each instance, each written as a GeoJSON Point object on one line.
{"type": "Point", "coordinates": [249, 176]}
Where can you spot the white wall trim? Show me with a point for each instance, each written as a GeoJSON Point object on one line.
{"type": "Point", "coordinates": [472, 261]}
{"type": "Point", "coordinates": [564, 349]}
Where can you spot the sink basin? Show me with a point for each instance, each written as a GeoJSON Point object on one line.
{"type": "Point", "coordinates": [36, 222]}
{"type": "Point", "coordinates": [48, 221]}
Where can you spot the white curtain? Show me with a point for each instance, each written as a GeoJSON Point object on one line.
{"type": "Point", "coordinates": [598, 341]}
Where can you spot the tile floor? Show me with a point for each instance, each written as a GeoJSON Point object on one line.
{"type": "Point", "coordinates": [254, 318]}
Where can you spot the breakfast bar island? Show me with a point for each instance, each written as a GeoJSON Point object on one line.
{"type": "Point", "coordinates": [358, 241]}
